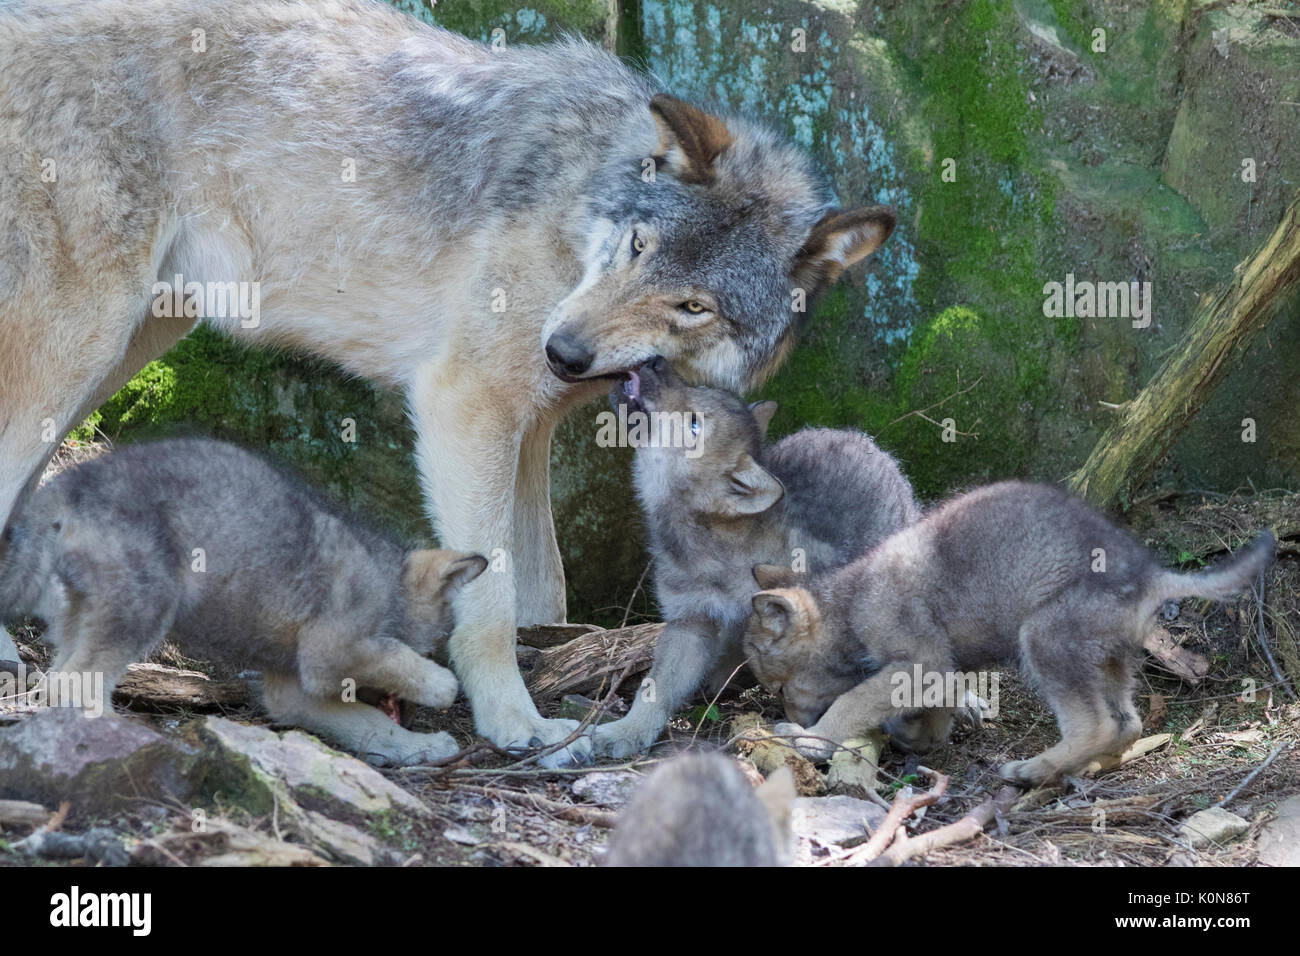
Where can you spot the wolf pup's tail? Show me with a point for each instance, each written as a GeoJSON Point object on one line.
{"type": "Point", "coordinates": [1225, 579]}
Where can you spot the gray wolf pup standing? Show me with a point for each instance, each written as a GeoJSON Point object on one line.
{"type": "Point", "coordinates": [699, 810]}
{"type": "Point", "coordinates": [214, 546]}
{"type": "Point", "coordinates": [813, 500]}
{"type": "Point", "coordinates": [495, 232]}
{"type": "Point", "coordinates": [1009, 572]}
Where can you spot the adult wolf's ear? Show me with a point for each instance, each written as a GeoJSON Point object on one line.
{"type": "Point", "coordinates": [754, 489]}
{"type": "Point", "coordinates": [837, 242]}
{"type": "Point", "coordinates": [689, 138]}
{"type": "Point", "coordinates": [775, 610]}
{"type": "Point", "coordinates": [763, 412]}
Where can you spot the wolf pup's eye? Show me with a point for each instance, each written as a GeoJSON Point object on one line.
{"type": "Point", "coordinates": [638, 244]}
{"type": "Point", "coordinates": [694, 307]}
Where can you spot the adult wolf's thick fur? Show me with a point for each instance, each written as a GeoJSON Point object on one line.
{"type": "Point", "coordinates": [490, 231]}
{"type": "Point", "coordinates": [239, 562]}
{"type": "Point", "coordinates": [1009, 572]}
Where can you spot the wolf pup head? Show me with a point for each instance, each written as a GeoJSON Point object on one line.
{"type": "Point", "coordinates": [697, 238]}
{"type": "Point", "coordinates": [430, 581]}
{"type": "Point", "coordinates": [788, 649]}
{"type": "Point", "coordinates": [698, 447]}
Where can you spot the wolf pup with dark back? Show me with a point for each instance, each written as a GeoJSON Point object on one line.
{"type": "Point", "coordinates": [721, 502]}
{"type": "Point", "coordinates": [1009, 572]}
{"type": "Point", "coordinates": [212, 545]}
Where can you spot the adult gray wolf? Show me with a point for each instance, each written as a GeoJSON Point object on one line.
{"type": "Point", "coordinates": [700, 810]}
{"type": "Point", "coordinates": [1008, 572]}
{"type": "Point", "coordinates": [494, 232]}
{"type": "Point", "coordinates": [720, 501]}
{"type": "Point", "coordinates": [239, 562]}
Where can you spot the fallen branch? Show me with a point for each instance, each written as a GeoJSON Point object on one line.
{"type": "Point", "coordinates": [588, 662]}
{"type": "Point", "coordinates": [1221, 328]}
{"type": "Point", "coordinates": [893, 829]}
{"type": "Point", "coordinates": [967, 828]}
{"type": "Point", "coordinates": [564, 811]}
{"type": "Point", "coordinates": [1252, 775]}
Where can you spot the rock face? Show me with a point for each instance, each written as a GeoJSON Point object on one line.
{"type": "Point", "coordinates": [107, 764]}
{"type": "Point", "coordinates": [99, 765]}
{"type": "Point", "coordinates": [1021, 143]}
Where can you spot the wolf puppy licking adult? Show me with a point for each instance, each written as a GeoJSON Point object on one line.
{"type": "Point", "coordinates": [494, 232]}
{"type": "Point", "coordinates": [235, 560]}
{"type": "Point", "coordinates": [1009, 572]}
{"type": "Point", "coordinates": [700, 810]}
{"type": "Point", "coordinates": [717, 503]}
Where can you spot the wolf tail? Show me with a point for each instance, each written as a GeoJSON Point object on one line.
{"type": "Point", "coordinates": [1226, 579]}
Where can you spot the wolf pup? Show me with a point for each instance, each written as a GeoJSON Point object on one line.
{"type": "Point", "coordinates": [717, 502]}
{"type": "Point", "coordinates": [234, 559]}
{"type": "Point", "coordinates": [699, 810]}
{"type": "Point", "coordinates": [496, 232]}
{"type": "Point", "coordinates": [1009, 572]}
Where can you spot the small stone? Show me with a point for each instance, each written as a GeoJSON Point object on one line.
{"type": "Point", "coordinates": [461, 835]}
{"type": "Point", "coordinates": [610, 789]}
{"type": "Point", "coordinates": [1213, 826]}
{"type": "Point", "coordinates": [835, 820]}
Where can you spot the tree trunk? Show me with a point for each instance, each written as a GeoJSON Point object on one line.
{"type": "Point", "coordinates": [1223, 325]}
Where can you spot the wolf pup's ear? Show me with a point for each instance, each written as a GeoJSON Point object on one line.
{"type": "Point", "coordinates": [769, 577]}
{"type": "Point", "coordinates": [754, 489]}
{"type": "Point", "coordinates": [460, 570]}
{"type": "Point", "coordinates": [837, 242]}
{"type": "Point", "coordinates": [763, 412]}
{"type": "Point", "coordinates": [775, 612]}
{"type": "Point", "coordinates": [689, 138]}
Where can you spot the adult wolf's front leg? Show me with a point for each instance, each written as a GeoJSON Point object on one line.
{"type": "Point", "coordinates": [539, 572]}
{"type": "Point", "coordinates": [467, 448]}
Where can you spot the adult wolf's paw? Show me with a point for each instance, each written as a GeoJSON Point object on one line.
{"type": "Point", "coordinates": [622, 738]}
{"type": "Point", "coordinates": [548, 732]}
{"type": "Point", "coordinates": [436, 687]}
{"type": "Point", "coordinates": [814, 748]}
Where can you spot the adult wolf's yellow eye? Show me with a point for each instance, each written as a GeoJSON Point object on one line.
{"type": "Point", "coordinates": [695, 307]}
{"type": "Point", "coordinates": [638, 245]}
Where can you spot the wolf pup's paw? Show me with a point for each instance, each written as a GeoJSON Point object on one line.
{"type": "Point", "coordinates": [436, 687]}
{"type": "Point", "coordinates": [409, 749]}
{"type": "Point", "coordinates": [621, 738]}
{"type": "Point", "coordinates": [814, 748]}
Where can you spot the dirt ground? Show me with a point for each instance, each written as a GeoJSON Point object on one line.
{"type": "Point", "coordinates": [493, 809]}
